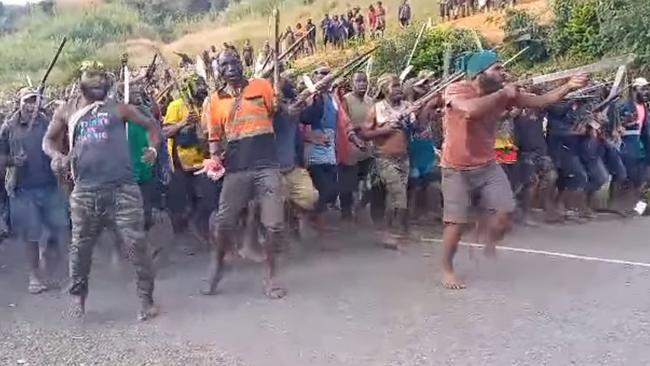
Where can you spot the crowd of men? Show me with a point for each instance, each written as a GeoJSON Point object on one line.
{"type": "Point", "coordinates": [455, 9]}
{"type": "Point", "coordinates": [239, 166]}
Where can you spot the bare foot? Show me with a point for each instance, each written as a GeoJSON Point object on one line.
{"type": "Point", "coordinates": [391, 242]}
{"type": "Point", "coordinates": [451, 282]}
{"type": "Point", "coordinates": [247, 252]}
{"type": "Point", "coordinates": [147, 311]}
{"type": "Point", "coordinates": [36, 286]}
{"type": "Point", "coordinates": [77, 307]}
{"type": "Point", "coordinates": [490, 250]}
{"type": "Point", "coordinates": [208, 289]}
{"type": "Point", "coordinates": [274, 291]}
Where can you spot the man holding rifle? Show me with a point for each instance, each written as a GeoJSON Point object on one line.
{"type": "Point", "coordinates": [469, 169]}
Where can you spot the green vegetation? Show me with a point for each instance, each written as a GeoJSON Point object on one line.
{"type": "Point", "coordinates": [429, 55]}
{"type": "Point", "coordinates": [581, 31]}
{"type": "Point", "coordinates": [28, 51]}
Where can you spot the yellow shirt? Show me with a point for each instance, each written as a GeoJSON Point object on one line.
{"type": "Point", "coordinates": [504, 143]}
{"type": "Point", "coordinates": [190, 157]}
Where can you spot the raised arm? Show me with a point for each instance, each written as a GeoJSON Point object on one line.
{"type": "Point", "coordinates": [131, 114]}
{"type": "Point", "coordinates": [477, 107]}
{"type": "Point", "coordinates": [528, 100]}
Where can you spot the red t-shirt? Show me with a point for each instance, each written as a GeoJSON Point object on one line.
{"type": "Point", "coordinates": [468, 143]}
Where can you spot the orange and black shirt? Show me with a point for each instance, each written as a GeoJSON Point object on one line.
{"type": "Point", "coordinates": [249, 138]}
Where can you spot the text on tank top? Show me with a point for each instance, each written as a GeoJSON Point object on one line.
{"type": "Point", "coordinates": [100, 153]}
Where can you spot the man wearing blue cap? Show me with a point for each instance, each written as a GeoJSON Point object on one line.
{"type": "Point", "coordinates": [470, 173]}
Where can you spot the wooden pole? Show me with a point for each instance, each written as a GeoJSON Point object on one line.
{"type": "Point", "coordinates": [276, 50]}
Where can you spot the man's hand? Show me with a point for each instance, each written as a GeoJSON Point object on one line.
{"type": "Point", "coordinates": [295, 108]}
{"type": "Point", "coordinates": [511, 91]}
{"type": "Point", "coordinates": [60, 164]}
{"type": "Point", "coordinates": [213, 169]}
{"type": "Point", "coordinates": [192, 118]}
{"type": "Point", "coordinates": [149, 155]}
{"type": "Point", "coordinates": [356, 141]}
{"type": "Point", "coordinates": [18, 160]}
{"type": "Point", "coordinates": [578, 81]}
{"type": "Point", "coordinates": [319, 138]}
{"type": "Point", "coordinates": [394, 125]}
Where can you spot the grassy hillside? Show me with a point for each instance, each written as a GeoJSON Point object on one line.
{"type": "Point", "coordinates": [89, 31]}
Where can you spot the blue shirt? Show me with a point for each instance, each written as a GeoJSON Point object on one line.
{"type": "Point", "coordinates": [16, 140]}
{"type": "Point", "coordinates": [325, 154]}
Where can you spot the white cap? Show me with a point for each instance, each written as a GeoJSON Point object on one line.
{"type": "Point", "coordinates": [638, 82]}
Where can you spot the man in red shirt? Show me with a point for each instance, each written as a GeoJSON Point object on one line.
{"type": "Point", "coordinates": [469, 168]}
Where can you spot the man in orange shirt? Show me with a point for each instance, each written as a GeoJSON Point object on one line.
{"type": "Point", "coordinates": [240, 123]}
{"type": "Point", "coordinates": [469, 168]}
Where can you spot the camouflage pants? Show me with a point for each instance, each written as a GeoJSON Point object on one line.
{"type": "Point", "coordinates": [94, 210]}
{"type": "Point", "coordinates": [394, 174]}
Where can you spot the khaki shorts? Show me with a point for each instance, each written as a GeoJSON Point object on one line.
{"type": "Point", "coordinates": [239, 188]}
{"type": "Point", "coordinates": [299, 189]}
{"type": "Point", "coordinates": [394, 174]}
{"type": "Point", "coordinates": [486, 187]}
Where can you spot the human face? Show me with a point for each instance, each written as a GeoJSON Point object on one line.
{"type": "Point", "coordinates": [360, 84]}
{"type": "Point", "coordinates": [320, 74]}
{"type": "Point", "coordinates": [395, 93]}
{"type": "Point", "coordinates": [136, 94]}
{"type": "Point", "coordinates": [642, 93]}
{"type": "Point", "coordinates": [492, 79]}
{"type": "Point", "coordinates": [94, 85]}
{"type": "Point", "coordinates": [288, 88]}
{"type": "Point", "coordinates": [27, 108]}
{"type": "Point", "coordinates": [200, 91]}
{"type": "Point", "coordinates": [230, 67]}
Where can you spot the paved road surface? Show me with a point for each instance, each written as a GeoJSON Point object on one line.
{"type": "Point", "coordinates": [359, 306]}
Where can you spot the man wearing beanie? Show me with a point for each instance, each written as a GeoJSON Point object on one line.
{"type": "Point", "coordinates": [470, 174]}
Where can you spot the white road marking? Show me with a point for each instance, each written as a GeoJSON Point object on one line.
{"type": "Point", "coordinates": [550, 254]}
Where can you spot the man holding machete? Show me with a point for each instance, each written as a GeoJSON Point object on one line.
{"type": "Point", "coordinates": [469, 169]}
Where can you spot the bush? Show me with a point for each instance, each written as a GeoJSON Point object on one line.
{"type": "Point", "coordinates": [523, 30]}
{"type": "Point", "coordinates": [429, 55]}
{"type": "Point", "coordinates": [29, 51]}
{"type": "Point", "coordinates": [576, 28]}
{"type": "Point", "coordinates": [625, 26]}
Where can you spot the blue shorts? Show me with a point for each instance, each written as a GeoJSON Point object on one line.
{"type": "Point", "coordinates": [35, 209]}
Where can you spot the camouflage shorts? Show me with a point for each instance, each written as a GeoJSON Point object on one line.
{"type": "Point", "coordinates": [120, 208]}
{"type": "Point", "coordinates": [394, 174]}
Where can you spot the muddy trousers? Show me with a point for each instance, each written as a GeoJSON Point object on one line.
{"type": "Point", "coordinates": [96, 209]}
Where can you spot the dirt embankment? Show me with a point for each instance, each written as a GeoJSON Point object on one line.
{"type": "Point", "coordinates": [489, 24]}
{"type": "Point", "coordinates": [140, 50]}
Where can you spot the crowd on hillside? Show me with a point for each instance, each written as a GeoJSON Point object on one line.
{"type": "Point", "coordinates": [241, 166]}
{"type": "Point", "coordinates": [455, 9]}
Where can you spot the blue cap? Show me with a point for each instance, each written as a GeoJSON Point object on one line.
{"type": "Point", "coordinates": [474, 63]}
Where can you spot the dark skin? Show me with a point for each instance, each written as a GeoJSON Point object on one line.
{"type": "Point", "coordinates": [32, 249]}
{"type": "Point", "coordinates": [359, 90]}
{"type": "Point", "coordinates": [53, 143]}
{"type": "Point", "coordinates": [231, 69]}
{"type": "Point", "coordinates": [198, 97]}
{"type": "Point", "coordinates": [495, 96]}
{"type": "Point", "coordinates": [94, 87]}
{"type": "Point", "coordinates": [395, 95]}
